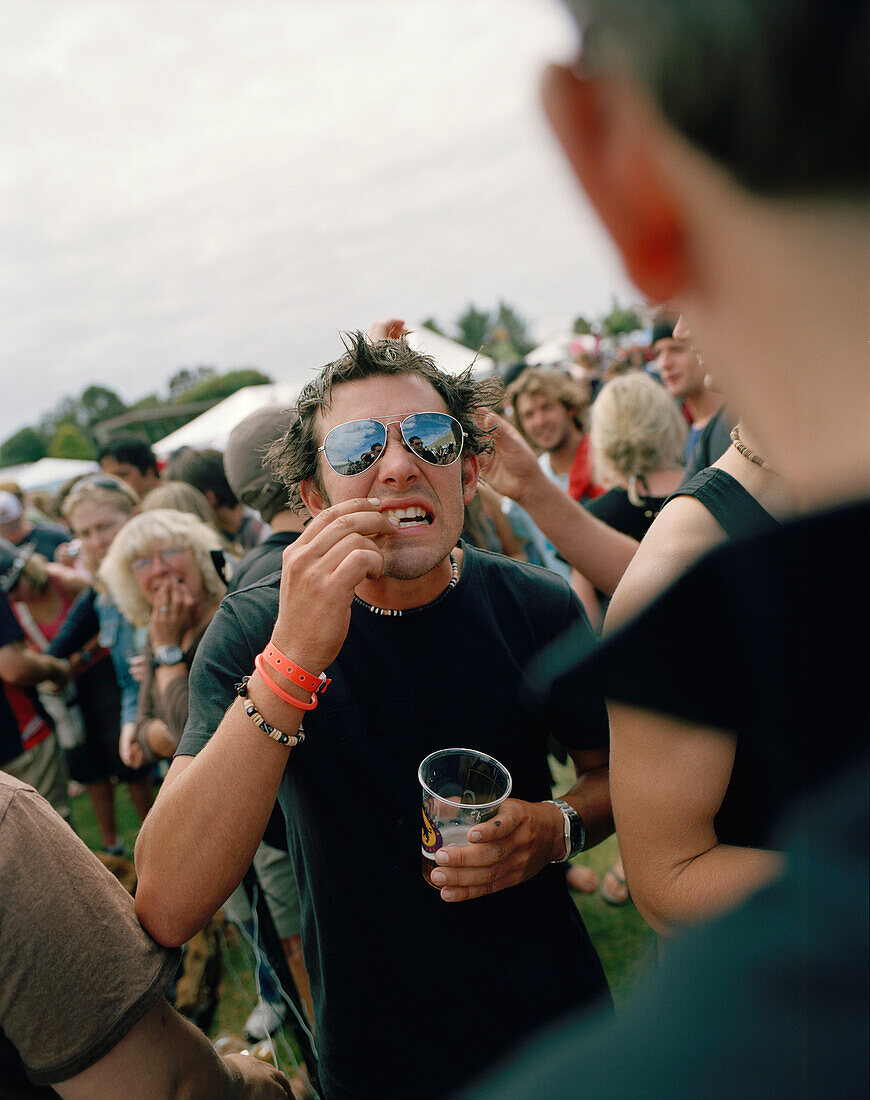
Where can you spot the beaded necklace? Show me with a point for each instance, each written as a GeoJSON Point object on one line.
{"type": "Point", "coordinates": [398, 612]}
{"type": "Point", "coordinates": [741, 447]}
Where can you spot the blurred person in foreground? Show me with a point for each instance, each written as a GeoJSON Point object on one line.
{"type": "Point", "coordinates": [728, 194]}
{"type": "Point", "coordinates": [377, 594]}
{"type": "Point", "coordinates": [82, 1008]}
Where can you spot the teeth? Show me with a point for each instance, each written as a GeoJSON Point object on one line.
{"type": "Point", "coordinates": [406, 515]}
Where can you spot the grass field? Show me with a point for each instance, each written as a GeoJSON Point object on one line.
{"type": "Point", "coordinates": [624, 942]}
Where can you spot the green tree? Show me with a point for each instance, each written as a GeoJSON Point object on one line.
{"type": "Point", "coordinates": [99, 403]}
{"type": "Point", "coordinates": [223, 385]}
{"type": "Point", "coordinates": [433, 326]}
{"type": "Point", "coordinates": [474, 328]}
{"type": "Point", "coordinates": [185, 380]}
{"type": "Point", "coordinates": [69, 441]}
{"type": "Point", "coordinates": [581, 326]}
{"type": "Point", "coordinates": [26, 445]}
{"type": "Point", "coordinates": [619, 320]}
{"type": "Point", "coordinates": [512, 334]}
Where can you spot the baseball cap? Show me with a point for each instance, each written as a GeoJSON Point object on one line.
{"type": "Point", "coordinates": [252, 481]}
{"type": "Point", "coordinates": [10, 507]}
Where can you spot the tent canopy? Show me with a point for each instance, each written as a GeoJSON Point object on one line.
{"type": "Point", "coordinates": [48, 473]}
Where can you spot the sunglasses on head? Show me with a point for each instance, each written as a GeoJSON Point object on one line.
{"type": "Point", "coordinates": [354, 447]}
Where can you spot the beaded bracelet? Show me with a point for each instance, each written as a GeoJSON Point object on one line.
{"type": "Point", "coordinates": [289, 739]}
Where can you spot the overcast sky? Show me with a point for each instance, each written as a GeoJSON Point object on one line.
{"type": "Point", "coordinates": [232, 182]}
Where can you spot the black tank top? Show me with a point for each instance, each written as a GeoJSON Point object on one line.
{"type": "Point", "coordinates": [736, 511]}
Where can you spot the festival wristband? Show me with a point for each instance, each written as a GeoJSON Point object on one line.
{"type": "Point", "coordinates": [260, 665]}
{"type": "Point", "coordinates": [282, 663]}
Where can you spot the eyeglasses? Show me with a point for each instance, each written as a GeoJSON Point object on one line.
{"type": "Point", "coordinates": [356, 446]}
{"type": "Point", "coordinates": [102, 481]}
{"type": "Point", "coordinates": [166, 557]}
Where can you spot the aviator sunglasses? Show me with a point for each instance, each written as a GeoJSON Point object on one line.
{"type": "Point", "coordinates": [354, 447]}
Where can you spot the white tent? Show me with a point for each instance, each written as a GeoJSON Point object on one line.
{"type": "Point", "coordinates": [449, 355]}
{"type": "Point", "coordinates": [557, 349]}
{"type": "Point", "coordinates": [212, 428]}
{"type": "Point", "coordinates": [47, 473]}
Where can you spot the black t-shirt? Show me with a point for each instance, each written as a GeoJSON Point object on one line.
{"type": "Point", "coordinates": [617, 511]}
{"type": "Point", "coordinates": [743, 642]}
{"type": "Point", "coordinates": [768, 1001]}
{"type": "Point", "coordinates": [392, 966]}
{"type": "Point", "coordinates": [45, 539]}
{"type": "Point", "coordinates": [262, 560]}
{"type": "Point", "coordinates": [734, 508]}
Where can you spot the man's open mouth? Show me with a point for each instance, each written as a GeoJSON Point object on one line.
{"type": "Point", "coordinates": [409, 517]}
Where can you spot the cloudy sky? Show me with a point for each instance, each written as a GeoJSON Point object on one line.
{"type": "Point", "coordinates": [232, 182]}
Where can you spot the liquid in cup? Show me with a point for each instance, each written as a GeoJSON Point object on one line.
{"type": "Point", "coordinates": [461, 788]}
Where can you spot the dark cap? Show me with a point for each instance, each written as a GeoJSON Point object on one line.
{"type": "Point", "coordinates": [12, 561]}
{"type": "Point", "coordinates": [252, 481]}
{"type": "Point", "coordinates": [663, 329]}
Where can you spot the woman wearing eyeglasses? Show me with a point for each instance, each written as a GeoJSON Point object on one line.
{"type": "Point", "coordinates": [161, 574]}
{"type": "Point", "coordinates": [96, 508]}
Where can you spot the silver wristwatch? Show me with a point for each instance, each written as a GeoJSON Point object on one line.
{"type": "Point", "coordinates": [167, 655]}
{"type": "Point", "coordinates": [575, 830]}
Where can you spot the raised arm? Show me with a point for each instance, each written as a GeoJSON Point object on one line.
{"type": "Point", "coordinates": [593, 548]}
{"type": "Point", "coordinates": [203, 830]}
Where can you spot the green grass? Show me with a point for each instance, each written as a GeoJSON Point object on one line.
{"type": "Point", "coordinates": [624, 942]}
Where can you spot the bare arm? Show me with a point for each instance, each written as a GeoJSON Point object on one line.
{"type": "Point", "coordinates": [203, 830]}
{"type": "Point", "coordinates": [668, 779]}
{"type": "Point", "coordinates": [526, 836]}
{"type": "Point", "coordinates": [24, 668]}
{"type": "Point", "coordinates": [592, 547]}
{"type": "Point", "coordinates": [165, 1055]}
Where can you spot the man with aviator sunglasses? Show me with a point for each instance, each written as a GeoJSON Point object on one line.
{"type": "Point", "coordinates": [424, 641]}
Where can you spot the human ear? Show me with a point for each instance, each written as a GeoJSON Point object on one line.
{"type": "Point", "coordinates": [611, 140]}
{"type": "Point", "coordinates": [313, 498]}
{"type": "Point", "coordinates": [470, 476]}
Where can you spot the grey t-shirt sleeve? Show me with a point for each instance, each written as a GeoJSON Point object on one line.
{"type": "Point", "coordinates": [77, 970]}
{"type": "Point", "coordinates": [224, 656]}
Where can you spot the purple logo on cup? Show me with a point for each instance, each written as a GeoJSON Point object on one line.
{"type": "Point", "coordinates": [431, 838]}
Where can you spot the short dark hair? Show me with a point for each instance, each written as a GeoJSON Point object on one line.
{"type": "Point", "coordinates": [130, 449]}
{"type": "Point", "coordinates": [293, 457]}
{"type": "Point", "coordinates": [204, 470]}
{"type": "Point", "coordinates": [775, 91]}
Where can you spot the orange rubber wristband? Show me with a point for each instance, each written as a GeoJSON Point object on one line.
{"type": "Point", "coordinates": [282, 663]}
{"type": "Point", "coordinates": [260, 665]}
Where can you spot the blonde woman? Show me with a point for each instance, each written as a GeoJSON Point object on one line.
{"type": "Point", "coordinates": [161, 573]}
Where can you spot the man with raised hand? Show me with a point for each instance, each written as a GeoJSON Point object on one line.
{"type": "Point", "coordinates": [424, 641]}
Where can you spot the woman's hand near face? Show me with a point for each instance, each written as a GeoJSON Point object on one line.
{"type": "Point", "coordinates": [171, 613]}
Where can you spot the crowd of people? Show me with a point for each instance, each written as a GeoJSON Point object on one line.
{"type": "Point", "coordinates": [612, 562]}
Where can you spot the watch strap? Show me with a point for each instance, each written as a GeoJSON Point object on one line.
{"type": "Point", "coordinates": [574, 829]}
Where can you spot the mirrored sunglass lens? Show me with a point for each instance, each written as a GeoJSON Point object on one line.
{"type": "Point", "coordinates": [434, 437]}
{"type": "Point", "coordinates": [353, 447]}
